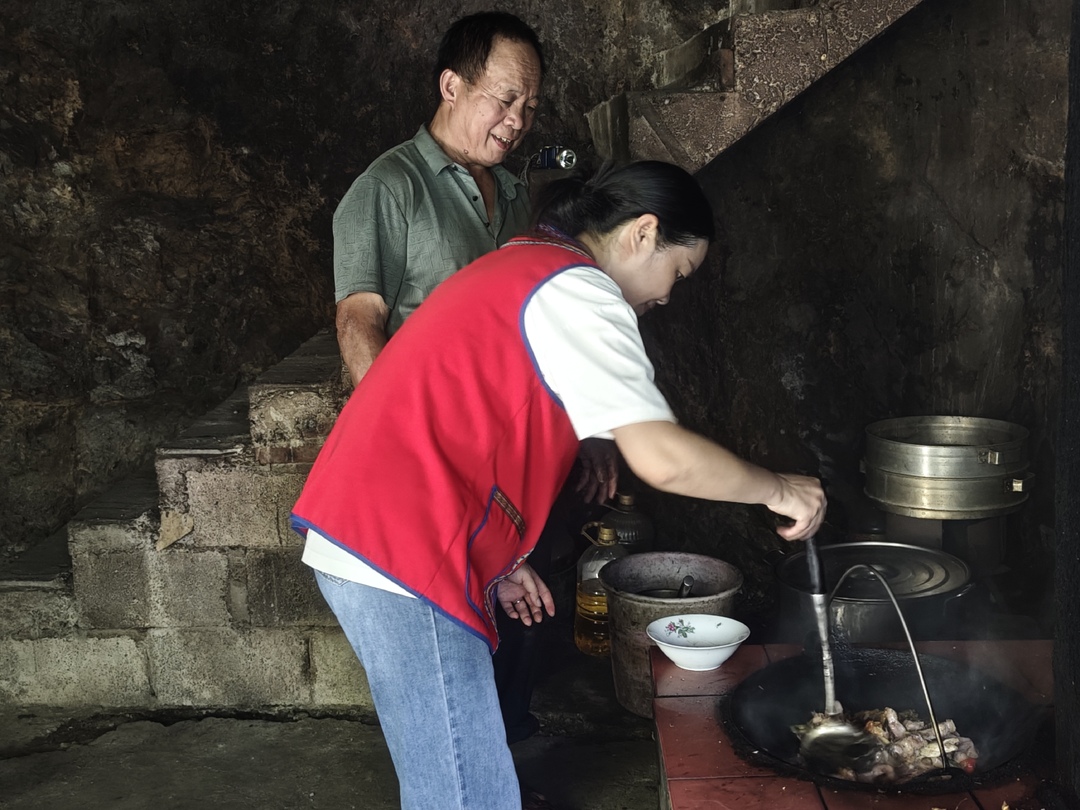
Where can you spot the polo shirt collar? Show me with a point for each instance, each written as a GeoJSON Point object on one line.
{"type": "Point", "coordinates": [437, 160]}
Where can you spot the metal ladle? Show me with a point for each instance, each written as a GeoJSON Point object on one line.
{"type": "Point", "coordinates": [835, 743]}
{"type": "Point", "coordinates": [686, 587]}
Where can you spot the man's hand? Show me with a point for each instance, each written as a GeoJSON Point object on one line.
{"type": "Point", "coordinates": [522, 595]}
{"type": "Point", "coordinates": [599, 470]}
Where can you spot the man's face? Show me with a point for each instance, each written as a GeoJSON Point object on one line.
{"type": "Point", "coordinates": [491, 115]}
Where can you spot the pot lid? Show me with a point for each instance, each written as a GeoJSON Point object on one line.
{"type": "Point", "coordinates": [910, 571]}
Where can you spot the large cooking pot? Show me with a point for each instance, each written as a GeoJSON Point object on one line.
{"type": "Point", "coordinates": [926, 583]}
{"type": "Point", "coordinates": [1000, 721]}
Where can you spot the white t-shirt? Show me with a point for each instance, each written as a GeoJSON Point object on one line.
{"type": "Point", "coordinates": [585, 340]}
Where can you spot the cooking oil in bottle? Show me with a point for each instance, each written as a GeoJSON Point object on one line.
{"type": "Point", "coordinates": [591, 619]}
{"type": "Point", "coordinates": [591, 613]}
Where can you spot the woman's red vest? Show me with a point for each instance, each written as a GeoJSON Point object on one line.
{"type": "Point", "coordinates": [443, 465]}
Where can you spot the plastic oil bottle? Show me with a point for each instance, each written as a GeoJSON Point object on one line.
{"type": "Point", "coordinates": [591, 633]}
{"type": "Point", "coordinates": [635, 528]}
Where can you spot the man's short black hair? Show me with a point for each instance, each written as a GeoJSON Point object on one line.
{"type": "Point", "coordinates": [466, 45]}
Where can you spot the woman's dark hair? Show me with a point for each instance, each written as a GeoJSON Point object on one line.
{"type": "Point", "coordinates": [615, 194]}
{"type": "Point", "coordinates": [466, 45]}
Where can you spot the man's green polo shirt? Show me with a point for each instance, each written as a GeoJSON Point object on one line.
{"type": "Point", "coordinates": [414, 218]}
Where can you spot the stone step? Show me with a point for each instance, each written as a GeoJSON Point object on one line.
{"type": "Point", "coordinates": [212, 492]}
{"type": "Point", "coordinates": [778, 54]}
{"type": "Point", "coordinates": [292, 406]}
{"type": "Point", "coordinates": [692, 62]}
{"type": "Point", "coordinates": [182, 586]}
{"type": "Point", "coordinates": [695, 61]}
{"type": "Point", "coordinates": [209, 625]}
{"type": "Point", "coordinates": [123, 580]}
{"type": "Point", "coordinates": [257, 670]}
{"type": "Point", "coordinates": [231, 479]}
{"type": "Point", "coordinates": [36, 599]}
{"type": "Point", "coordinates": [221, 435]}
{"type": "Point", "coordinates": [720, 84]}
{"type": "Point", "coordinates": [686, 128]}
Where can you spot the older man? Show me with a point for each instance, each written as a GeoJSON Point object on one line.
{"type": "Point", "coordinates": [435, 203]}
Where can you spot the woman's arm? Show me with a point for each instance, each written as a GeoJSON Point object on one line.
{"type": "Point", "coordinates": [673, 459]}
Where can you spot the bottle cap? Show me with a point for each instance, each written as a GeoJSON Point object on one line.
{"type": "Point", "coordinates": [607, 536]}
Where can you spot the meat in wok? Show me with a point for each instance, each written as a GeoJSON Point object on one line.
{"type": "Point", "coordinates": [1000, 723]}
{"type": "Point", "coordinates": [898, 746]}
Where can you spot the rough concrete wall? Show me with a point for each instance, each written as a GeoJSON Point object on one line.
{"type": "Point", "coordinates": [1067, 572]}
{"type": "Point", "coordinates": [151, 261]}
{"type": "Point", "coordinates": [892, 247]}
{"type": "Point", "coordinates": [167, 175]}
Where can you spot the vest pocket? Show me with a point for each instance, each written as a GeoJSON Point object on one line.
{"type": "Point", "coordinates": [499, 498]}
{"type": "Point", "coordinates": [494, 549]}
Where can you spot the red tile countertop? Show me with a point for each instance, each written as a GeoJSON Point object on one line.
{"type": "Point", "coordinates": [700, 769]}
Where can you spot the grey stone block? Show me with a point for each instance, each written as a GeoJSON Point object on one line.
{"type": "Point", "coordinates": [232, 502]}
{"type": "Point", "coordinates": [279, 590]}
{"type": "Point", "coordinates": [121, 590]}
{"type": "Point", "coordinates": [124, 518]}
{"type": "Point", "coordinates": [79, 671]}
{"type": "Point", "coordinates": [227, 667]}
{"type": "Point", "coordinates": [338, 679]}
{"type": "Point", "coordinates": [112, 588]}
{"type": "Point", "coordinates": [28, 612]}
{"type": "Point", "coordinates": [189, 588]}
{"type": "Point", "coordinates": [245, 505]}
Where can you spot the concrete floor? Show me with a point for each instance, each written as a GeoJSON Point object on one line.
{"type": "Point", "coordinates": [591, 754]}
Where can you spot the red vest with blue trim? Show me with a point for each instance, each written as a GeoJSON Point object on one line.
{"type": "Point", "coordinates": [444, 463]}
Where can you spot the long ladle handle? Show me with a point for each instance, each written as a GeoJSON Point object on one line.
{"type": "Point", "coordinates": [817, 572]}
{"type": "Point", "coordinates": [821, 613]}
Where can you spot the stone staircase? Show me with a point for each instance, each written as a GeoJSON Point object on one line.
{"type": "Point", "coordinates": [182, 586]}
{"type": "Point", "coordinates": [720, 84]}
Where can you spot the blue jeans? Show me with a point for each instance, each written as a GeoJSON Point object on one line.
{"type": "Point", "coordinates": [434, 692]}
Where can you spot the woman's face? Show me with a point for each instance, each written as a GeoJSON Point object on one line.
{"type": "Point", "coordinates": [650, 282]}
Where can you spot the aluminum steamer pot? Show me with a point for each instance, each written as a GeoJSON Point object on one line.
{"type": "Point", "coordinates": [926, 583]}
{"type": "Point", "coordinates": [947, 467]}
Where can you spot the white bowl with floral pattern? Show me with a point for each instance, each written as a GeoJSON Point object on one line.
{"type": "Point", "coordinates": [698, 641]}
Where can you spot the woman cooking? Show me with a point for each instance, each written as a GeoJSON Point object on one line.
{"type": "Point", "coordinates": [422, 507]}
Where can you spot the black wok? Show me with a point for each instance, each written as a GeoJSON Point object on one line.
{"type": "Point", "coordinates": [999, 720]}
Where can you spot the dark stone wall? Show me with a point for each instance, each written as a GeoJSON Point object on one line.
{"type": "Point", "coordinates": [153, 254]}
{"type": "Point", "coordinates": [892, 247]}
{"type": "Point", "coordinates": [167, 176]}
{"type": "Point", "coordinates": [1067, 571]}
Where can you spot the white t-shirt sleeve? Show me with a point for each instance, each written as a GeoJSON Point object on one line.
{"type": "Point", "coordinates": [584, 338]}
